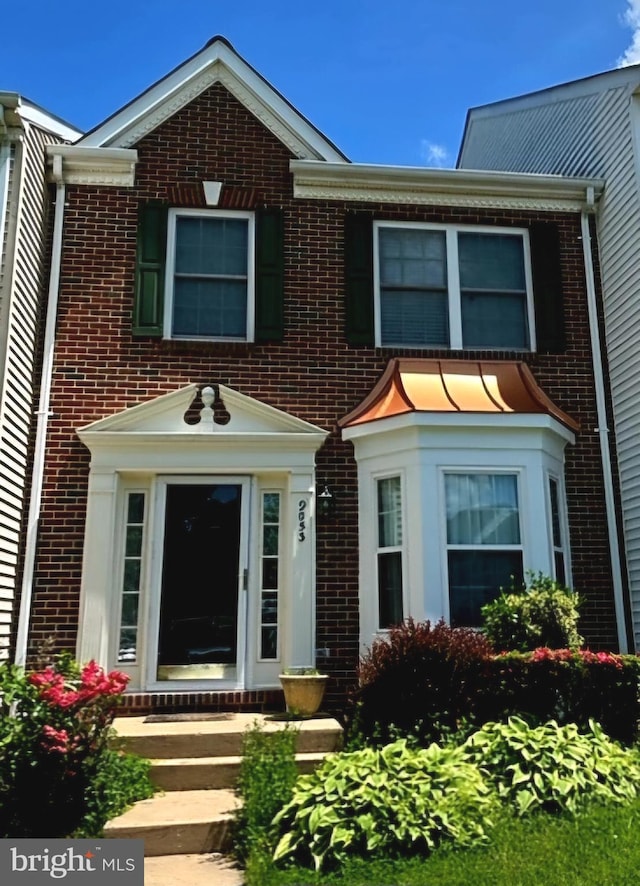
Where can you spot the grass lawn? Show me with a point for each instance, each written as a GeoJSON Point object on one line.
{"type": "Point", "coordinates": [600, 848]}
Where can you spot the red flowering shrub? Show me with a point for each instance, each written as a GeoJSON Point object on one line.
{"type": "Point", "coordinates": [567, 685]}
{"type": "Point", "coordinates": [425, 682]}
{"type": "Point", "coordinates": [57, 772]}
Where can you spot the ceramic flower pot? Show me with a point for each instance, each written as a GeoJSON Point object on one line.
{"type": "Point", "coordinates": [303, 693]}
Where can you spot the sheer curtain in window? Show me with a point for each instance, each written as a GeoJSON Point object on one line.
{"type": "Point", "coordinates": [483, 539]}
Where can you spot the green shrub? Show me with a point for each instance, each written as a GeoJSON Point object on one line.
{"type": "Point", "coordinates": [545, 613]}
{"type": "Point", "coordinates": [267, 774]}
{"type": "Point", "coordinates": [420, 680]}
{"type": "Point", "coordinates": [392, 800]}
{"type": "Point", "coordinates": [552, 767]}
{"type": "Point", "coordinates": [57, 774]}
{"type": "Point", "coordinates": [115, 780]}
{"type": "Point", "coordinates": [567, 685]}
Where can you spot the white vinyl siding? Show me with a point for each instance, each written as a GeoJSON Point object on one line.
{"type": "Point", "coordinates": [590, 128]}
{"type": "Point", "coordinates": [22, 287]}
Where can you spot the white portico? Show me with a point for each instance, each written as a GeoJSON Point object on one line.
{"type": "Point", "coordinates": [199, 558]}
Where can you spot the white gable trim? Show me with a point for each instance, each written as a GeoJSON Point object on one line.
{"type": "Point", "coordinates": [154, 434]}
{"type": "Point", "coordinates": [216, 63]}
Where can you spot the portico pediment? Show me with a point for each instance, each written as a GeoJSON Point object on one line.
{"type": "Point", "coordinates": [226, 420]}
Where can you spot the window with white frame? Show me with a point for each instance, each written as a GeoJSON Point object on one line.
{"type": "Point", "coordinates": [557, 531]}
{"type": "Point", "coordinates": [209, 285]}
{"type": "Point", "coordinates": [453, 287]}
{"type": "Point", "coordinates": [484, 540]}
{"type": "Point", "coordinates": [269, 575]}
{"type": "Point", "coordinates": [389, 551]}
{"type": "Point", "coordinates": [128, 651]}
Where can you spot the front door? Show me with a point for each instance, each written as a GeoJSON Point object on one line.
{"type": "Point", "coordinates": [201, 608]}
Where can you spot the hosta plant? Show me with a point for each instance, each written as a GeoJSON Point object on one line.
{"type": "Point", "coordinates": [552, 767]}
{"type": "Point", "coordinates": [385, 801]}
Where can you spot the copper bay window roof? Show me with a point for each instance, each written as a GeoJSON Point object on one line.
{"type": "Point", "coordinates": [462, 386]}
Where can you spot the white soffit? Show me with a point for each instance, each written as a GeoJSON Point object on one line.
{"type": "Point", "coordinates": [448, 187]}
{"type": "Point", "coordinates": [218, 62]}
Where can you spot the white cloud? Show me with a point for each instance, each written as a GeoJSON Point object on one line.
{"type": "Point", "coordinates": [436, 155]}
{"type": "Point", "coordinates": [631, 18]}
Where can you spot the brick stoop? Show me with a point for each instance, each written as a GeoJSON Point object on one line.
{"type": "Point", "coordinates": [196, 764]}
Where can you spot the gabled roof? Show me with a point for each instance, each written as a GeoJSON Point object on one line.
{"type": "Point", "coordinates": [217, 62]}
{"type": "Point", "coordinates": [455, 386]}
{"type": "Point", "coordinates": [574, 102]}
{"type": "Point", "coordinates": [15, 109]}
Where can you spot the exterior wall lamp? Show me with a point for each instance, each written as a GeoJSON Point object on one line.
{"type": "Point", "coordinates": [326, 501]}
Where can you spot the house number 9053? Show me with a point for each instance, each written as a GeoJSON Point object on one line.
{"type": "Point", "coordinates": [302, 519]}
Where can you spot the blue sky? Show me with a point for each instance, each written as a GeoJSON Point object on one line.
{"type": "Point", "coordinates": [388, 82]}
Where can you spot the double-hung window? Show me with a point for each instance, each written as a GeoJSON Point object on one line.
{"type": "Point", "coordinates": [209, 275]}
{"type": "Point", "coordinates": [557, 530]}
{"type": "Point", "coordinates": [389, 551]}
{"type": "Point", "coordinates": [484, 540]}
{"type": "Point", "coordinates": [447, 286]}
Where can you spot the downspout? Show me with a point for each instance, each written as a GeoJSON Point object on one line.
{"type": "Point", "coordinates": [43, 414]}
{"type": "Point", "coordinates": [602, 429]}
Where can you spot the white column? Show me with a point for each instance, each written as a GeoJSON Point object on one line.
{"type": "Point", "coordinates": [300, 604]}
{"type": "Point", "coordinates": [97, 590]}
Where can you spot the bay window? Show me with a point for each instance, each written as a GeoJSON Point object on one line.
{"type": "Point", "coordinates": [389, 552]}
{"type": "Point", "coordinates": [484, 541]}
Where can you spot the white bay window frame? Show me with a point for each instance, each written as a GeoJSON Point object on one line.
{"type": "Point", "coordinates": [426, 446]}
{"type": "Point", "coordinates": [454, 289]}
{"type": "Point", "coordinates": [170, 272]}
{"type": "Point", "coordinates": [518, 474]}
{"type": "Point", "coordinates": [399, 548]}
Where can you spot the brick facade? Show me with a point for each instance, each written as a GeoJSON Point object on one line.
{"type": "Point", "coordinates": [100, 368]}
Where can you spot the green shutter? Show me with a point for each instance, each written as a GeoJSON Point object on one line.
{"type": "Point", "coordinates": [358, 260]}
{"type": "Point", "coordinates": [150, 263]}
{"type": "Point", "coordinates": [547, 287]}
{"type": "Point", "coordinates": [269, 275]}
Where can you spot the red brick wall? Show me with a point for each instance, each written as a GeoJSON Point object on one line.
{"type": "Point", "coordinates": [313, 373]}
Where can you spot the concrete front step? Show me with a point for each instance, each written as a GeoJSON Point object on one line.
{"type": "Point", "coordinates": [220, 738]}
{"type": "Point", "coordinates": [197, 763]}
{"type": "Point", "coordinates": [191, 870]}
{"type": "Point", "coordinates": [211, 773]}
{"type": "Point", "coordinates": [179, 823]}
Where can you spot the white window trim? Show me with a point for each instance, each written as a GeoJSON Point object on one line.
{"type": "Point", "coordinates": [173, 215]}
{"type": "Point", "coordinates": [272, 490]}
{"type": "Point", "coordinates": [421, 448]}
{"type": "Point", "coordinates": [453, 282]}
{"type": "Point", "coordinates": [519, 472]}
{"type": "Point", "coordinates": [391, 549]}
{"type": "Point", "coordinates": [564, 526]}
